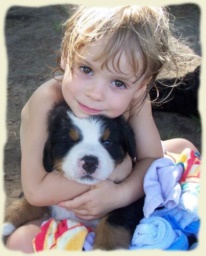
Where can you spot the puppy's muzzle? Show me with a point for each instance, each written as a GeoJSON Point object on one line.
{"type": "Point", "coordinates": [90, 163]}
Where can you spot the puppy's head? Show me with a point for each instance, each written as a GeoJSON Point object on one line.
{"type": "Point", "coordinates": [86, 150]}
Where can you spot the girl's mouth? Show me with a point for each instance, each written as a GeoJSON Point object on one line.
{"type": "Point", "coordinates": [89, 110]}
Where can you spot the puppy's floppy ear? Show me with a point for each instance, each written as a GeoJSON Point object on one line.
{"type": "Point", "coordinates": [56, 117]}
{"type": "Point", "coordinates": [47, 157]}
{"type": "Point", "coordinates": [129, 139]}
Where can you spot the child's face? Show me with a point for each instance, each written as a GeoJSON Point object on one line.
{"type": "Point", "coordinates": [95, 89]}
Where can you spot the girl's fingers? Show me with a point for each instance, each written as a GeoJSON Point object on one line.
{"type": "Point", "coordinates": [81, 212]}
{"type": "Point", "coordinates": [74, 203]}
{"type": "Point", "coordinates": [86, 217]}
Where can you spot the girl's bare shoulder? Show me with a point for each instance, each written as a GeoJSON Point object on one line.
{"type": "Point", "coordinates": [44, 97]}
{"type": "Point", "coordinates": [48, 92]}
{"type": "Point", "coordinates": [51, 89]}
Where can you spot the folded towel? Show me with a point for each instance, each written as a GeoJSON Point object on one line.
{"type": "Point", "coordinates": [63, 235]}
{"type": "Point", "coordinates": [173, 184]}
{"type": "Point", "coordinates": [187, 210]}
{"type": "Point", "coordinates": [191, 163]}
{"type": "Point", "coordinates": [192, 229]}
{"type": "Point", "coordinates": [181, 217]}
{"type": "Point", "coordinates": [161, 185]}
{"type": "Point", "coordinates": [153, 233]}
{"type": "Point", "coordinates": [190, 181]}
{"type": "Point", "coordinates": [180, 243]}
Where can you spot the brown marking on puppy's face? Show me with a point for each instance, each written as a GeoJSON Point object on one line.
{"type": "Point", "coordinates": [109, 237]}
{"type": "Point", "coordinates": [106, 134]}
{"type": "Point", "coordinates": [73, 134]}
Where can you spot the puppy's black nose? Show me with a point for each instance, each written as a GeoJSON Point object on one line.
{"type": "Point", "coordinates": [90, 164]}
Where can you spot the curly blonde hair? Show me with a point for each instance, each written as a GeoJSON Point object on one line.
{"type": "Point", "coordinates": [136, 30]}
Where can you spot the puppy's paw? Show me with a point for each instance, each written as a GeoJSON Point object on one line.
{"type": "Point", "coordinates": [8, 228]}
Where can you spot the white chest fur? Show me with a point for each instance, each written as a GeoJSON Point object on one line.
{"type": "Point", "coordinates": [60, 213]}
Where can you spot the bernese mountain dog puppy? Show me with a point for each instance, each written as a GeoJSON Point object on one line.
{"type": "Point", "coordinates": [86, 151]}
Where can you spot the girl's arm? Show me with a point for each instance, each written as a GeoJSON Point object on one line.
{"type": "Point", "coordinates": [42, 188]}
{"type": "Point", "coordinates": [149, 148]}
{"type": "Point", "coordinates": [108, 196]}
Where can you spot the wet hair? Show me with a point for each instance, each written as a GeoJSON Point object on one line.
{"type": "Point", "coordinates": [141, 32]}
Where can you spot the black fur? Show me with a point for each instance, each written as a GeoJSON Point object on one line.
{"type": "Point", "coordinates": [183, 98]}
{"type": "Point", "coordinates": [58, 141]}
{"type": "Point", "coordinates": [127, 217]}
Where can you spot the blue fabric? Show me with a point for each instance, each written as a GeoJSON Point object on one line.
{"type": "Point", "coordinates": [181, 242]}
{"type": "Point", "coordinates": [191, 228]}
{"type": "Point", "coordinates": [154, 233]}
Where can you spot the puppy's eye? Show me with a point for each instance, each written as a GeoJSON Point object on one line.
{"type": "Point", "coordinates": [107, 143]}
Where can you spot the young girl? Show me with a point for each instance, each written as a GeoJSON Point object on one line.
{"type": "Point", "coordinates": [110, 59]}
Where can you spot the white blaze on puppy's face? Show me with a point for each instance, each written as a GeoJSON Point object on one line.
{"type": "Point", "coordinates": [89, 147]}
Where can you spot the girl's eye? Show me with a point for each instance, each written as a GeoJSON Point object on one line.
{"type": "Point", "coordinates": [119, 84]}
{"type": "Point", "coordinates": [86, 70]}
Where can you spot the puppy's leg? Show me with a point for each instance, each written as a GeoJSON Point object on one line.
{"type": "Point", "coordinates": [19, 213]}
{"type": "Point", "coordinates": [110, 237]}
{"type": "Point", "coordinates": [115, 231]}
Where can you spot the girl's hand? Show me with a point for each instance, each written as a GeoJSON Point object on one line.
{"type": "Point", "coordinates": [95, 203]}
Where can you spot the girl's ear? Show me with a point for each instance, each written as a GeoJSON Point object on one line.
{"type": "Point", "coordinates": [138, 94]}
{"type": "Point", "coordinates": [142, 89]}
{"type": "Point", "coordinates": [63, 62]}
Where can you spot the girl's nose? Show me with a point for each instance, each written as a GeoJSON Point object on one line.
{"type": "Point", "coordinates": [96, 91]}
